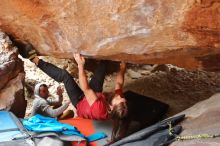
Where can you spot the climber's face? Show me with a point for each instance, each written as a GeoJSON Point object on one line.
{"type": "Point", "coordinates": [44, 93]}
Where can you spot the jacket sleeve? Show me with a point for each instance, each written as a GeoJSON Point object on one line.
{"type": "Point", "coordinates": [55, 101]}
{"type": "Point", "coordinates": [54, 112]}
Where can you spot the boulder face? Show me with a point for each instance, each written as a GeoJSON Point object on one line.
{"type": "Point", "coordinates": [202, 118]}
{"type": "Point", "coordinates": [185, 33]}
{"type": "Point", "coordinates": [11, 78]}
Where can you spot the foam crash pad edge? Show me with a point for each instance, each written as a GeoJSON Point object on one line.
{"type": "Point", "coordinates": [89, 127]}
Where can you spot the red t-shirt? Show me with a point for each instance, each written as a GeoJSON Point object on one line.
{"type": "Point", "coordinates": [97, 111]}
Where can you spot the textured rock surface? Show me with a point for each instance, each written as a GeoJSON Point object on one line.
{"type": "Point", "coordinates": [202, 118]}
{"type": "Point", "coordinates": [177, 87]}
{"type": "Point", "coordinates": [11, 78]}
{"type": "Point", "coordinates": [181, 32]}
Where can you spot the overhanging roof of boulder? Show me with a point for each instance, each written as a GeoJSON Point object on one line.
{"type": "Point", "coordinates": [184, 33]}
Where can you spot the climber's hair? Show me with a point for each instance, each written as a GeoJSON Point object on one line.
{"type": "Point", "coordinates": [119, 115]}
{"type": "Point", "coordinates": [43, 85]}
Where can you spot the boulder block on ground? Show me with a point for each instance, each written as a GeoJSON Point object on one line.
{"type": "Point", "coordinates": [202, 118]}
{"type": "Point", "coordinates": [11, 78]}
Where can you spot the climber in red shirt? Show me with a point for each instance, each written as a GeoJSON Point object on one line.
{"type": "Point", "coordinates": [88, 98]}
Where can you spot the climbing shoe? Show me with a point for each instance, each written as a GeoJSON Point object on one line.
{"type": "Point", "coordinates": [25, 49]}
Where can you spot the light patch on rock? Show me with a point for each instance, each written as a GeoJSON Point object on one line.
{"type": "Point", "coordinates": [133, 74]}
{"type": "Point", "coordinates": [147, 10]}
{"type": "Point", "coordinates": [45, 46]}
{"type": "Point", "coordinates": [115, 17]}
{"type": "Point", "coordinates": [137, 32]}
